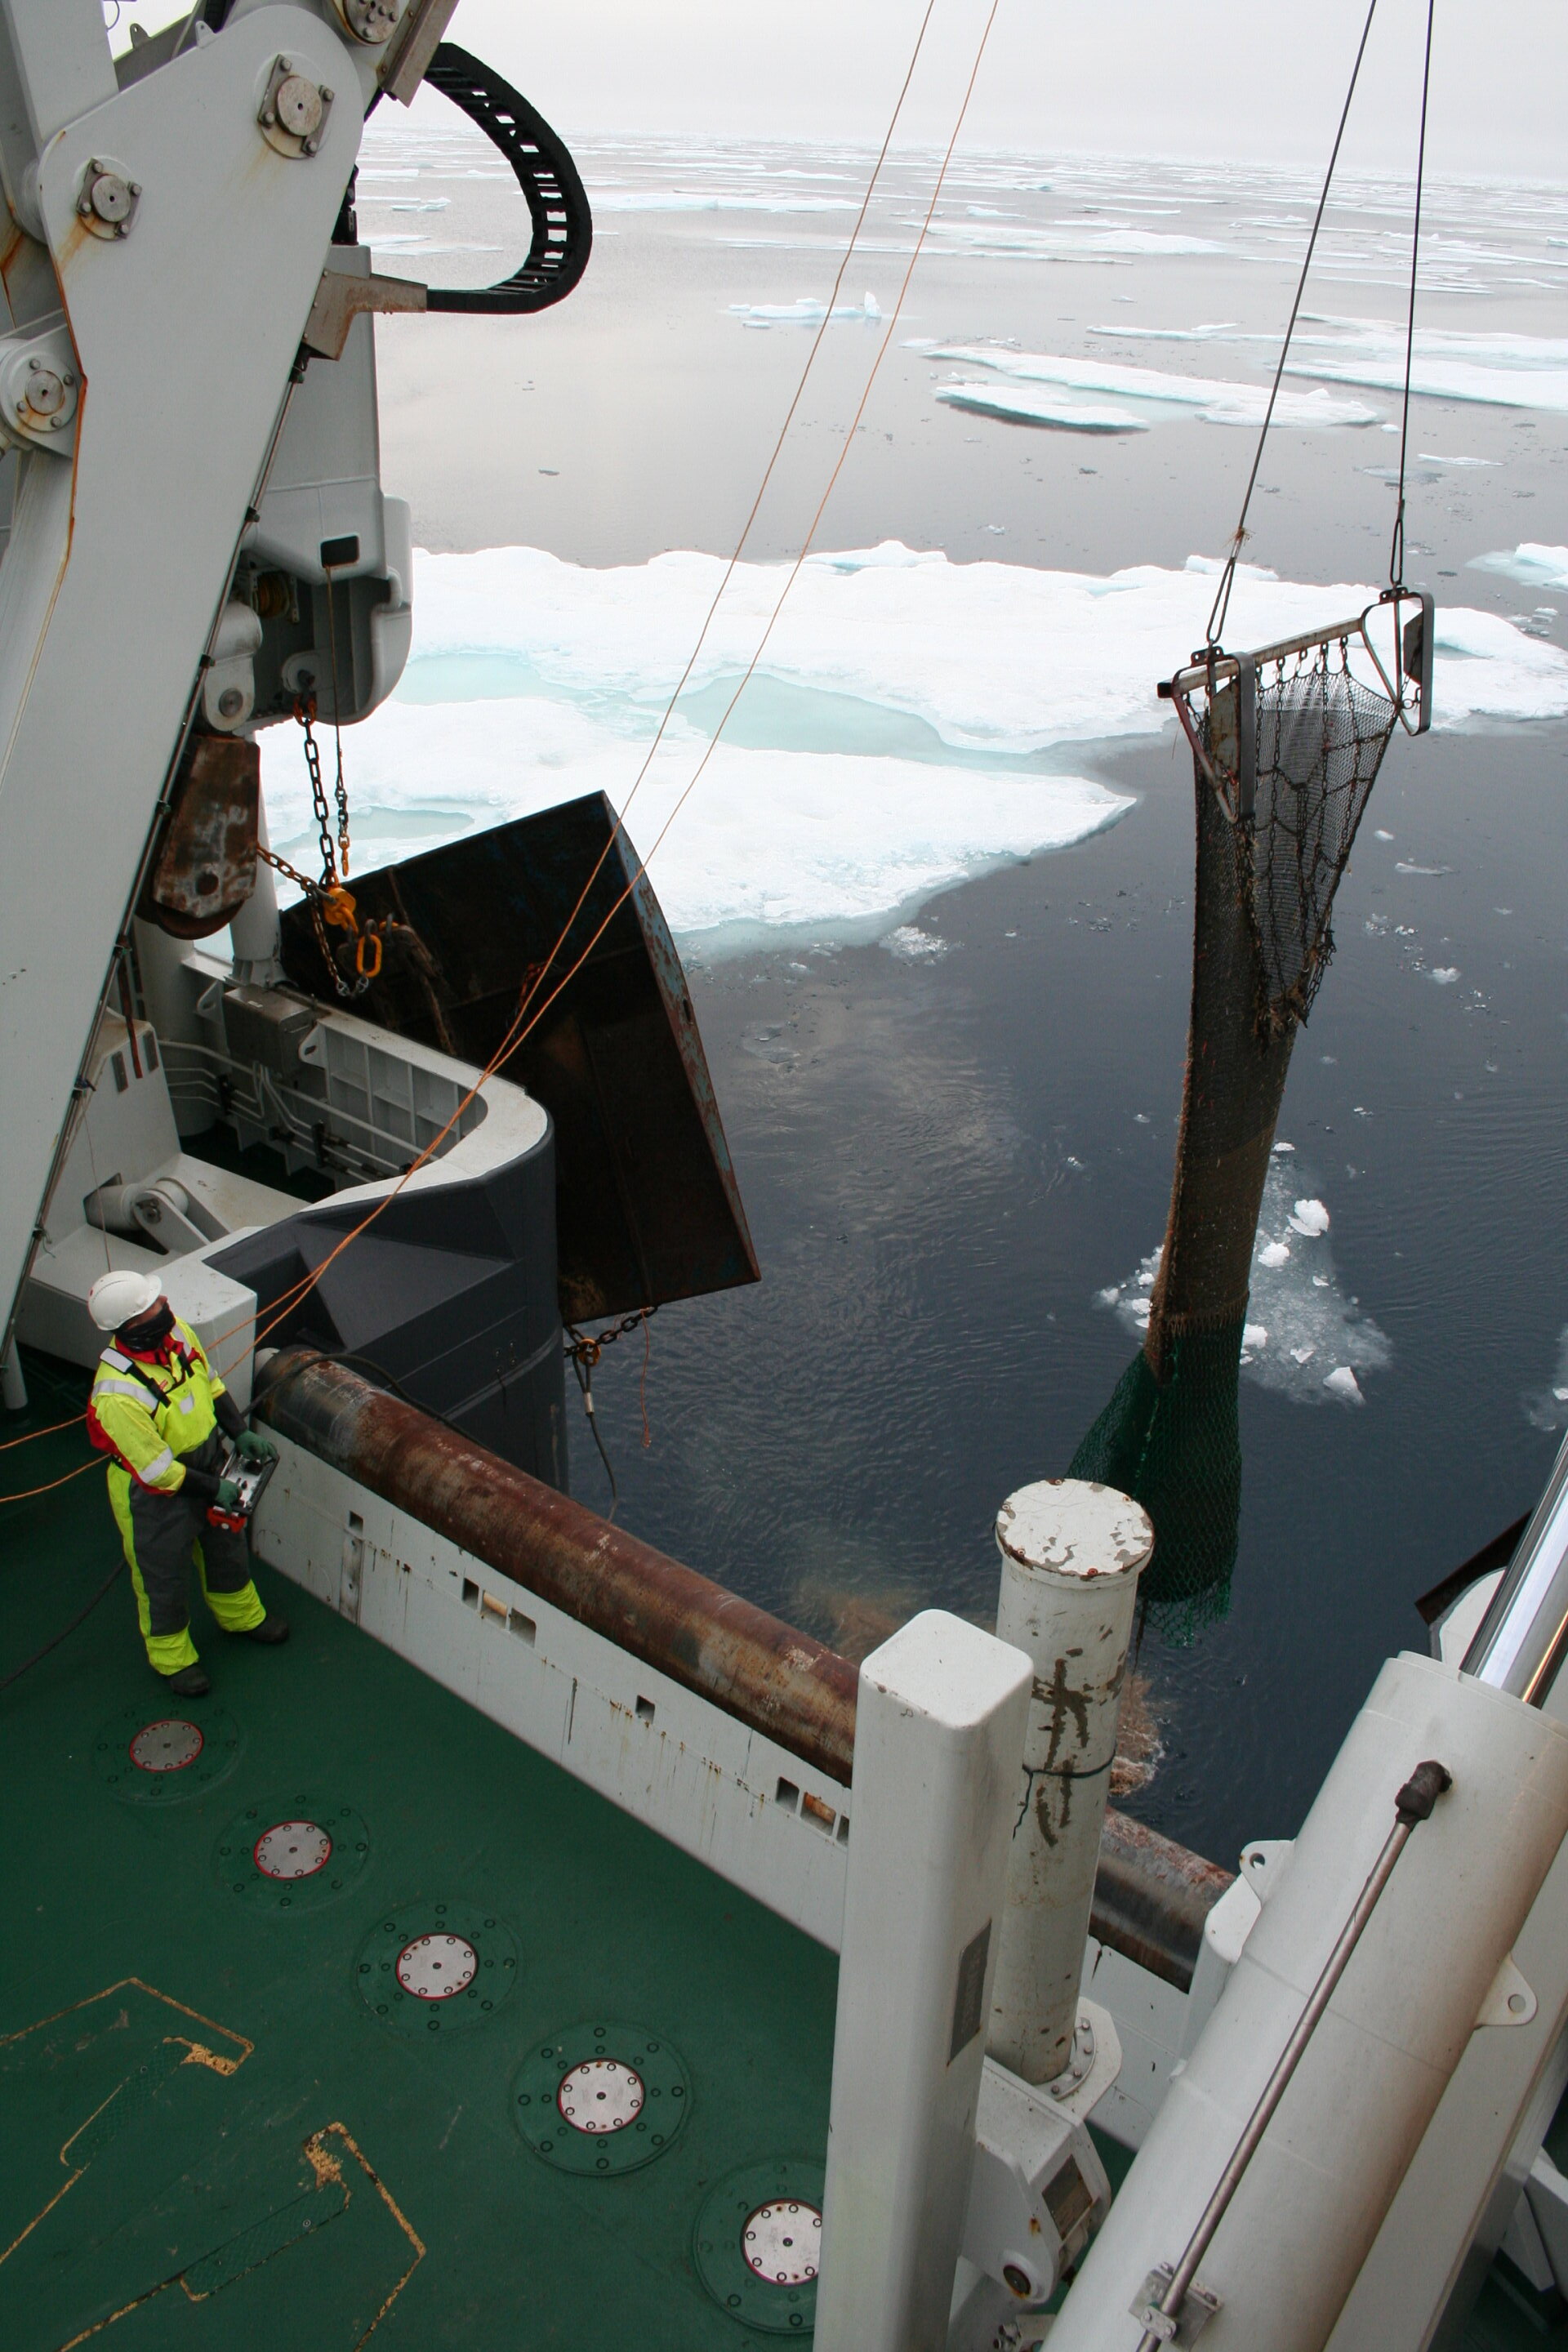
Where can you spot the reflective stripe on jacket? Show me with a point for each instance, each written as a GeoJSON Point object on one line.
{"type": "Point", "coordinates": [148, 1412]}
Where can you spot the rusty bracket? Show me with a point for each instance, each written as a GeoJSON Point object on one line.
{"type": "Point", "coordinates": [415, 43]}
{"type": "Point", "coordinates": [341, 299]}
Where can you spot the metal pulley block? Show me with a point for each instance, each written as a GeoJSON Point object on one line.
{"type": "Point", "coordinates": [38, 390]}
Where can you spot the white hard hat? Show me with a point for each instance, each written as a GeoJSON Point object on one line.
{"type": "Point", "coordinates": [122, 1296]}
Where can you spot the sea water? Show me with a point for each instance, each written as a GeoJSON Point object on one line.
{"type": "Point", "coordinates": [934, 888]}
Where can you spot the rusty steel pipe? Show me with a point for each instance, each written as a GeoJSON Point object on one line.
{"type": "Point", "coordinates": [1151, 1895]}
{"type": "Point", "coordinates": [757, 1669]}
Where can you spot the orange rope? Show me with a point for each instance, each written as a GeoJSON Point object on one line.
{"type": "Point", "coordinates": [54, 1426]}
{"type": "Point", "coordinates": [517, 1031]}
{"type": "Point", "coordinates": [27, 1493]}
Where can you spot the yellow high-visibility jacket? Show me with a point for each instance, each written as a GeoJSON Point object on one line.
{"type": "Point", "coordinates": [148, 1414]}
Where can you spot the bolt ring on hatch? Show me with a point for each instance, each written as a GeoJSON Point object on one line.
{"type": "Point", "coordinates": [601, 2098]}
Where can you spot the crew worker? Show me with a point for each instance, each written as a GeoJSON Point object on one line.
{"type": "Point", "coordinates": [161, 1412]}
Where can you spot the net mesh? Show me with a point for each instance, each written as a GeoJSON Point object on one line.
{"type": "Point", "coordinates": [1175, 1447]}
{"type": "Point", "coordinates": [1321, 735]}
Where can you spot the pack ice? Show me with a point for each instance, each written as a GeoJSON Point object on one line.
{"type": "Point", "coordinates": [912, 721]}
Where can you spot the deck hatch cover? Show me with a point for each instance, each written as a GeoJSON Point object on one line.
{"type": "Point", "coordinates": [167, 1746]}
{"type": "Point", "coordinates": [602, 2097]}
{"type": "Point", "coordinates": [405, 1967]}
{"type": "Point", "coordinates": [740, 2230]}
{"type": "Point", "coordinates": [147, 1758]}
{"type": "Point", "coordinates": [294, 1851]}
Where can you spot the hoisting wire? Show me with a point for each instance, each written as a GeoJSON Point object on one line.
{"type": "Point", "coordinates": [584, 1349]}
{"type": "Point", "coordinates": [538, 972]}
{"type": "Point", "coordinates": [1227, 577]}
{"type": "Point", "coordinates": [1397, 546]}
{"type": "Point", "coordinates": [527, 1017]}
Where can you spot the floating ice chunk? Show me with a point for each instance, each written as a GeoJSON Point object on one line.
{"type": "Point", "coordinates": [1217, 402]}
{"type": "Point", "coordinates": [1298, 1318]}
{"type": "Point", "coordinates": [1503, 370]}
{"type": "Point", "coordinates": [1430, 458]}
{"type": "Point", "coordinates": [1279, 1148]}
{"type": "Point", "coordinates": [1381, 835]}
{"type": "Point", "coordinates": [1343, 1382]}
{"type": "Point", "coordinates": [1220, 331]}
{"type": "Point", "coordinates": [1038, 408]}
{"type": "Point", "coordinates": [1309, 1217]}
{"type": "Point", "coordinates": [1536, 565]}
{"type": "Point", "coordinates": [912, 945]}
{"type": "Point", "coordinates": [1444, 974]}
{"type": "Point", "coordinates": [1403, 865]}
{"type": "Point", "coordinates": [1063, 240]}
{"type": "Point", "coordinates": [807, 311]}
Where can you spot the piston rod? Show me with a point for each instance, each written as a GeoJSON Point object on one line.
{"type": "Point", "coordinates": [1412, 1806]}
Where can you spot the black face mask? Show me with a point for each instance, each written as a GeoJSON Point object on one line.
{"type": "Point", "coordinates": [144, 1337]}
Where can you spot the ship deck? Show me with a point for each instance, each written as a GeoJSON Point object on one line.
{"type": "Point", "coordinates": [208, 2136]}
{"type": "Point", "coordinates": [220, 2126]}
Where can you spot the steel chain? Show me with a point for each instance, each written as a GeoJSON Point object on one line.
{"type": "Point", "coordinates": [587, 1346]}
{"type": "Point", "coordinates": [305, 712]}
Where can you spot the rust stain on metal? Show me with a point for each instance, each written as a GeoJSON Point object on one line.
{"type": "Point", "coordinates": [766, 1673]}
{"type": "Point", "coordinates": [205, 868]}
{"type": "Point", "coordinates": [1151, 1895]}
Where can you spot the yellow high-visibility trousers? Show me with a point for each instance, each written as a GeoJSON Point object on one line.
{"type": "Point", "coordinates": [162, 1534]}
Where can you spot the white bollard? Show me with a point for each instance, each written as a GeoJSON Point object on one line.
{"type": "Point", "coordinates": [938, 1734]}
{"type": "Point", "coordinates": [1071, 1553]}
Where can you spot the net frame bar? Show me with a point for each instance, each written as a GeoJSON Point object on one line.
{"type": "Point", "coordinates": [1409, 690]}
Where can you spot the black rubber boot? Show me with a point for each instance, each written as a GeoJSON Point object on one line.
{"type": "Point", "coordinates": [191, 1682]}
{"type": "Point", "coordinates": [271, 1629]}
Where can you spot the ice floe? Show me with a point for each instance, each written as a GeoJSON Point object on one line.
{"type": "Point", "coordinates": [807, 311]}
{"type": "Point", "coordinates": [1536, 566]}
{"type": "Point", "coordinates": [896, 738]}
{"type": "Point", "coordinates": [1216, 401]}
{"type": "Point", "coordinates": [1021, 408]}
{"type": "Point", "coordinates": [1497, 369]}
{"type": "Point", "coordinates": [1303, 1337]}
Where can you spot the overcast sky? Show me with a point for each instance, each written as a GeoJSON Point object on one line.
{"type": "Point", "coordinates": [1249, 79]}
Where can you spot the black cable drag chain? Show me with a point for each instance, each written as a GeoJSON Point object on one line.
{"type": "Point", "coordinates": [556, 200]}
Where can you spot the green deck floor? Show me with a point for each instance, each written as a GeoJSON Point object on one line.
{"type": "Point", "coordinates": [344, 2180]}
{"type": "Point", "coordinates": [331, 2179]}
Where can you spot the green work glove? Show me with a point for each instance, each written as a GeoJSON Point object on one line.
{"type": "Point", "coordinates": [251, 1447]}
{"type": "Point", "coordinates": [228, 1495]}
